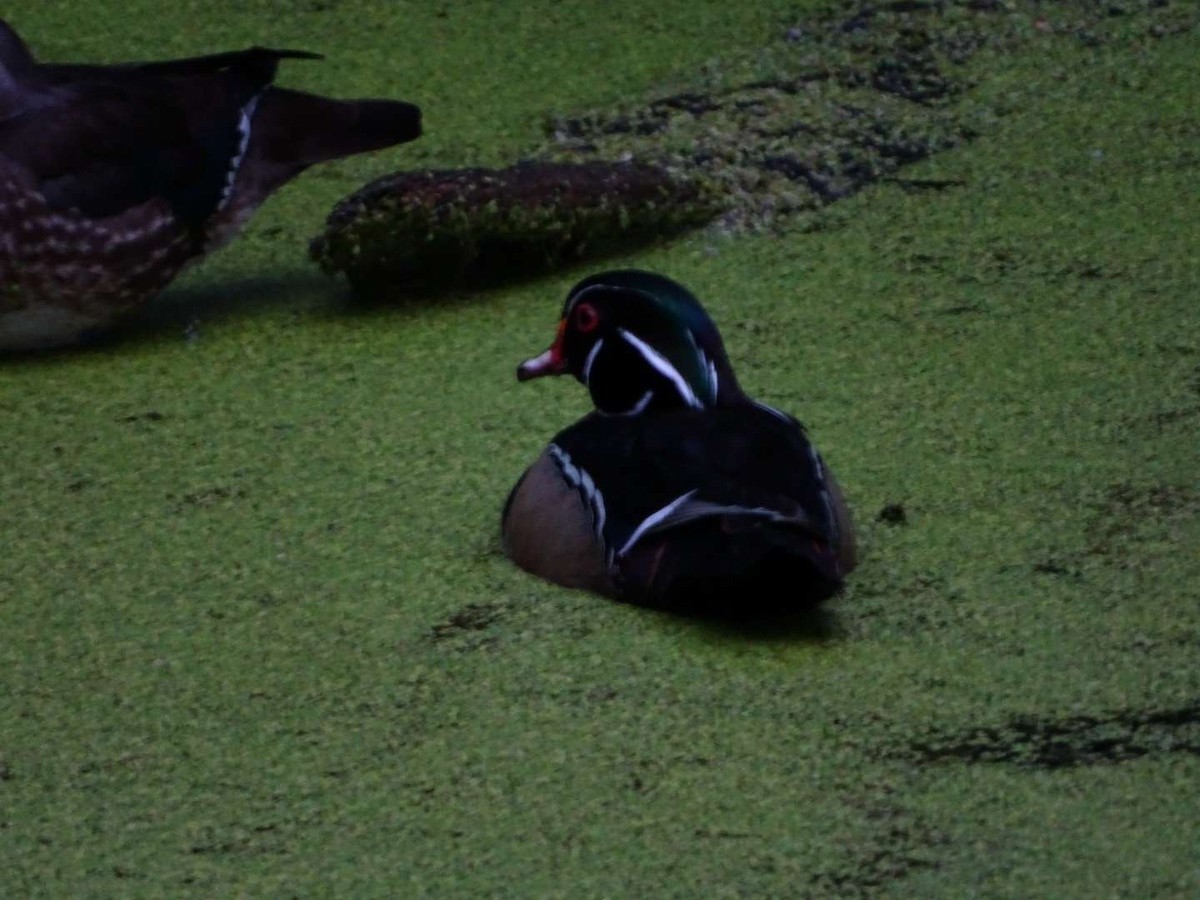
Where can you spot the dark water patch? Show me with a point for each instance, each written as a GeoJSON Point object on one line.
{"type": "Point", "coordinates": [836, 103]}
{"type": "Point", "coordinates": [258, 840]}
{"type": "Point", "coordinates": [1127, 526]}
{"type": "Point", "coordinates": [842, 100]}
{"type": "Point", "coordinates": [896, 844]}
{"type": "Point", "coordinates": [917, 185]}
{"type": "Point", "coordinates": [1056, 743]}
{"type": "Point", "coordinates": [1166, 417]}
{"type": "Point", "coordinates": [957, 309]}
{"type": "Point", "coordinates": [1177, 404]}
{"type": "Point", "coordinates": [206, 497]}
{"type": "Point", "coordinates": [150, 415]}
{"type": "Point", "coordinates": [883, 599]}
{"type": "Point", "coordinates": [1060, 568]}
{"type": "Point", "coordinates": [467, 627]}
{"type": "Point", "coordinates": [1153, 646]}
{"type": "Point", "coordinates": [1124, 512]}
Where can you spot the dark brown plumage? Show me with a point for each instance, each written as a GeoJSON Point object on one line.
{"type": "Point", "coordinates": [114, 177]}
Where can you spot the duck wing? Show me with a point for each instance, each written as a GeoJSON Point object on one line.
{"type": "Point", "coordinates": [103, 139]}
{"type": "Point", "coordinates": [697, 502]}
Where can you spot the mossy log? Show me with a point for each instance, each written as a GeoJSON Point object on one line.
{"type": "Point", "coordinates": [423, 230]}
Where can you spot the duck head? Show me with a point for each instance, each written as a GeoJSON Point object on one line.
{"type": "Point", "coordinates": [638, 341]}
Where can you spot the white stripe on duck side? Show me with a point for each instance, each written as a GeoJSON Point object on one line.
{"type": "Point", "coordinates": [710, 368]}
{"type": "Point", "coordinates": [826, 499]}
{"type": "Point", "coordinates": [579, 479]}
{"type": "Point", "coordinates": [686, 509]}
{"type": "Point", "coordinates": [245, 122]}
{"type": "Point", "coordinates": [653, 519]}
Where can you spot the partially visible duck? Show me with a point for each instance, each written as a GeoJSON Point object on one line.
{"type": "Point", "coordinates": [679, 491]}
{"type": "Point", "coordinates": [114, 177]}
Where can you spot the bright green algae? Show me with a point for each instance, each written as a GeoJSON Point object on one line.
{"type": "Point", "coordinates": [259, 638]}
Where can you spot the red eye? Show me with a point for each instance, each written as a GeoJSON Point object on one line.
{"type": "Point", "coordinates": [585, 317]}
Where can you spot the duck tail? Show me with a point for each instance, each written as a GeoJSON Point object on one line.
{"type": "Point", "coordinates": [16, 64]}
{"type": "Point", "coordinates": [731, 566]}
{"type": "Point", "coordinates": [15, 58]}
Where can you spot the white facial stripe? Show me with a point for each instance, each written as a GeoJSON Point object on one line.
{"type": "Point", "coordinates": [641, 404]}
{"type": "Point", "coordinates": [659, 363]}
{"type": "Point", "coordinates": [634, 410]}
{"type": "Point", "coordinates": [591, 358]}
{"type": "Point", "coordinates": [580, 480]}
{"type": "Point", "coordinates": [654, 518]}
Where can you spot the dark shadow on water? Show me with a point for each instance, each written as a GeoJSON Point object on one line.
{"type": "Point", "coordinates": [180, 307]}
{"type": "Point", "coordinates": [482, 282]}
{"type": "Point", "coordinates": [815, 625]}
{"type": "Point", "coordinates": [407, 301]}
{"type": "Point", "coordinates": [180, 313]}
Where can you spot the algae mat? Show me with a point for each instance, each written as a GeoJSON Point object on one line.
{"type": "Point", "coordinates": [259, 639]}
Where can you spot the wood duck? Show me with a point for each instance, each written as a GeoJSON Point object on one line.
{"type": "Point", "coordinates": [678, 491]}
{"type": "Point", "coordinates": [114, 177]}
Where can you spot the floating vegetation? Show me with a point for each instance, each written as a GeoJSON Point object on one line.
{"type": "Point", "coordinates": [834, 104]}
{"type": "Point", "coordinates": [839, 101]}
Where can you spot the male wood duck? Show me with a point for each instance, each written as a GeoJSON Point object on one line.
{"type": "Point", "coordinates": [114, 177]}
{"type": "Point", "coordinates": [679, 491]}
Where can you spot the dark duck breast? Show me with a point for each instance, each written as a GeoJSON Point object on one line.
{"type": "Point", "coordinates": [679, 491]}
{"type": "Point", "coordinates": [113, 178]}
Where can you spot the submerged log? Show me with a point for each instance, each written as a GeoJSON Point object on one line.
{"type": "Point", "coordinates": [423, 230]}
